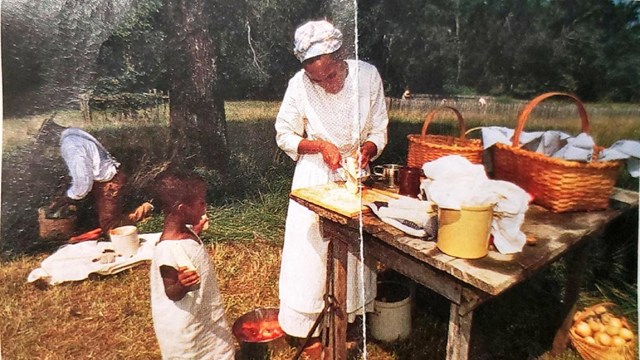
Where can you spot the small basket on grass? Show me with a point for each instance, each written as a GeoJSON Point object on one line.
{"type": "Point", "coordinates": [557, 184]}
{"type": "Point", "coordinates": [599, 334]}
{"type": "Point", "coordinates": [56, 226]}
{"type": "Point", "coordinates": [424, 148]}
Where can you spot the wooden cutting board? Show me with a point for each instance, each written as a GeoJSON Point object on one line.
{"type": "Point", "coordinates": [336, 197]}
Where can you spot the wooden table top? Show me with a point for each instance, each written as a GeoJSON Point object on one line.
{"type": "Point", "coordinates": [555, 234]}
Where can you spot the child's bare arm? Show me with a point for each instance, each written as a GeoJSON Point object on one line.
{"type": "Point", "coordinates": [177, 283]}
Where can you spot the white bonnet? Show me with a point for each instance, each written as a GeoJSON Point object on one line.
{"type": "Point", "coordinates": [316, 38]}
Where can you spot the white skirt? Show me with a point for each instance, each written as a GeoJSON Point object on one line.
{"type": "Point", "coordinates": [298, 324]}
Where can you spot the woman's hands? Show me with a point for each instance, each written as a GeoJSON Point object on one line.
{"type": "Point", "coordinates": [367, 151]}
{"type": "Point", "coordinates": [330, 154]}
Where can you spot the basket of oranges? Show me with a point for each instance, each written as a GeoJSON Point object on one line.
{"type": "Point", "coordinates": [598, 333]}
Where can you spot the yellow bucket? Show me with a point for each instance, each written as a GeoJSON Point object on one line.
{"type": "Point", "coordinates": [465, 233]}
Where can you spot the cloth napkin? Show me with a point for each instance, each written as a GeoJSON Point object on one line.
{"type": "Point", "coordinates": [74, 262]}
{"type": "Point", "coordinates": [412, 216]}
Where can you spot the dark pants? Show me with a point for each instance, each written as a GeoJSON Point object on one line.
{"type": "Point", "coordinates": [109, 199]}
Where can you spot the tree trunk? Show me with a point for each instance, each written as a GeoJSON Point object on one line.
{"type": "Point", "coordinates": [197, 120]}
{"type": "Point", "coordinates": [458, 44]}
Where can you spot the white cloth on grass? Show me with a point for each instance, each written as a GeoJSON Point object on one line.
{"type": "Point", "coordinates": [87, 161]}
{"type": "Point", "coordinates": [74, 262]}
{"type": "Point", "coordinates": [453, 181]}
{"type": "Point", "coordinates": [193, 327]}
{"type": "Point", "coordinates": [307, 109]}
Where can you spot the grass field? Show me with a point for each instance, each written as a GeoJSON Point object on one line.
{"type": "Point", "coordinates": [109, 317]}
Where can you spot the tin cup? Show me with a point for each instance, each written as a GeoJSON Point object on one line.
{"type": "Point", "coordinates": [388, 174]}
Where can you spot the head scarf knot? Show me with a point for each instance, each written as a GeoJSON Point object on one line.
{"type": "Point", "coordinates": [316, 38]}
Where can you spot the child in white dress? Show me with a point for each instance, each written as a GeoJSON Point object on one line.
{"type": "Point", "coordinates": [187, 309]}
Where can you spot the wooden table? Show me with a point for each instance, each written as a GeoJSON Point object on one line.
{"type": "Point", "coordinates": [465, 283]}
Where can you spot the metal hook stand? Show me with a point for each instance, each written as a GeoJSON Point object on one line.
{"type": "Point", "coordinates": [329, 303]}
{"type": "Point", "coordinates": [328, 309]}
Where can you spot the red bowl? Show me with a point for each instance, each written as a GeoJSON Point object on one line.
{"type": "Point", "coordinates": [258, 326]}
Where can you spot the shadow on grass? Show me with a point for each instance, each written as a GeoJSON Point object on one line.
{"type": "Point", "coordinates": [520, 324]}
{"type": "Point", "coordinates": [32, 176]}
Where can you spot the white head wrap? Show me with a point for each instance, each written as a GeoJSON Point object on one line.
{"type": "Point", "coordinates": [316, 38]}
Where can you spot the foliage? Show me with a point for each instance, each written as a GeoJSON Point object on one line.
{"type": "Point", "coordinates": [500, 48]}
{"type": "Point", "coordinates": [133, 58]}
{"type": "Point", "coordinates": [516, 48]}
{"type": "Point", "coordinates": [125, 101]}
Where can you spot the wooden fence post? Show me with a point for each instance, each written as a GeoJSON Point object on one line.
{"type": "Point", "coordinates": [84, 108]}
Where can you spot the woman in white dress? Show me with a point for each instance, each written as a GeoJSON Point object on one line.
{"type": "Point", "coordinates": [332, 109]}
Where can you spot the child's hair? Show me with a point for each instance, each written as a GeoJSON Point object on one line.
{"type": "Point", "coordinates": [173, 187]}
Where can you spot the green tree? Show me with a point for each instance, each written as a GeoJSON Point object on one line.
{"type": "Point", "coordinates": [133, 58]}
{"type": "Point", "coordinates": [411, 42]}
{"type": "Point", "coordinates": [621, 54]}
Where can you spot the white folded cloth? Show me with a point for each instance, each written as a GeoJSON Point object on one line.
{"type": "Point", "coordinates": [560, 145]}
{"type": "Point", "coordinates": [508, 216]}
{"type": "Point", "coordinates": [624, 149]}
{"type": "Point", "coordinates": [453, 181]}
{"type": "Point", "coordinates": [546, 142]}
{"type": "Point", "coordinates": [412, 216]}
{"type": "Point", "coordinates": [74, 262]}
{"type": "Point", "coordinates": [417, 217]}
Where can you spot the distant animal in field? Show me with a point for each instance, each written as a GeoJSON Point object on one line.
{"type": "Point", "coordinates": [482, 102]}
{"type": "Point", "coordinates": [447, 102]}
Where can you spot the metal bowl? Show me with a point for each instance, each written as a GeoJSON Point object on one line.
{"type": "Point", "coordinates": [254, 318]}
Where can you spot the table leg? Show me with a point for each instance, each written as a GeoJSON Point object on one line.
{"type": "Point", "coordinates": [337, 348]}
{"type": "Point", "coordinates": [459, 334]}
{"type": "Point", "coordinates": [576, 264]}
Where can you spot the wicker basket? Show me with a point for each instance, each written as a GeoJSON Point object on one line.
{"type": "Point", "coordinates": [424, 148]}
{"type": "Point", "coordinates": [55, 228]}
{"type": "Point", "coordinates": [599, 352]}
{"type": "Point", "coordinates": [557, 184]}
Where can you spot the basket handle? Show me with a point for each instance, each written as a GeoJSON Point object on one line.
{"type": "Point", "coordinates": [432, 114]}
{"type": "Point", "coordinates": [526, 111]}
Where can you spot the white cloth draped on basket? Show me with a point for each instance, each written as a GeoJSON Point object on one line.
{"type": "Point", "coordinates": [453, 181]}
{"type": "Point", "coordinates": [561, 145]}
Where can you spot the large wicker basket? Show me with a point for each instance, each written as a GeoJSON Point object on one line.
{"type": "Point", "coordinates": [590, 351]}
{"type": "Point", "coordinates": [424, 148]}
{"type": "Point", "coordinates": [557, 184]}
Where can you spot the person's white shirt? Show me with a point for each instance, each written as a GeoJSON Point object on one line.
{"type": "Point", "coordinates": [87, 161]}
